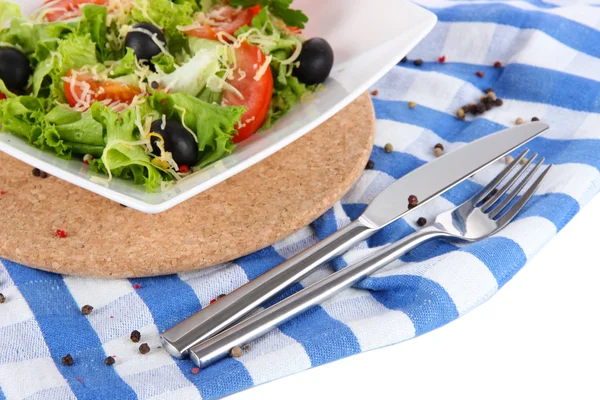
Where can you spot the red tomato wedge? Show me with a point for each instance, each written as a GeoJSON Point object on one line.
{"type": "Point", "coordinates": [60, 10]}
{"type": "Point", "coordinates": [98, 90]}
{"type": "Point", "coordinates": [2, 96]}
{"type": "Point", "coordinates": [222, 19]}
{"type": "Point", "coordinates": [257, 93]}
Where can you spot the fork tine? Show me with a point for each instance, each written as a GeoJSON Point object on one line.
{"type": "Point", "coordinates": [489, 203]}
{"type": "Point", "coordinates": [510, 214]}
{"type": "Point", "coordinates": [496, 181]}
{"type": "Point", "coordinates": [498, 209]}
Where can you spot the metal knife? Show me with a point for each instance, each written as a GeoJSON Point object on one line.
{"type": "Point", "coordinates": [401, 197]}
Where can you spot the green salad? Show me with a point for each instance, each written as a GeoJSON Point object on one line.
{"type": "Point", "coordinates": [153, 90]}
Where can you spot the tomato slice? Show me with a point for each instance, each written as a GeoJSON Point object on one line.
{"type": "Point", "coordinates": [257, 94]}
{"type": "Point", "coordinates": [2, 96]}
{"type": "Point", "coordinates": [60, 10]}
{"type": "Point", "coordinates": [223, 19]}
{"type": "Point", "coordinates": [98, 90]}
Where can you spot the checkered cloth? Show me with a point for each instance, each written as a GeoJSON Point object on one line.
{"type": "Point", "coordinates": [551, 69]}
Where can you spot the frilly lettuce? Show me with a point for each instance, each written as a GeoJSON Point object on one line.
{"type": "Point", "coordinates": [213, 124]}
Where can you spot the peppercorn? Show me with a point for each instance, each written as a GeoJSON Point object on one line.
{"type": "Point", "coordinates": [489, 90]}
{"type": "Point", "coordinates": [61, 234]}
{"type": "Point", "coordinates": [375, 92]}
{"type": "Point", "coordinates": [246, 347]}
{"type": "Point", "coordinates": [484, 99]}
{"type": "Point", "coordinates": [412, 104]}
{"type": "Point", "coordinates": [43, 175]}
{"type": "Point", "coordinates": [35, 172]}
{"type": "Point", "coordinates": [221, 296]}
{"type": "Point", "coordinates": [2, 298]}
{"type": "Point", "coordinates": [499, 102]}
{"type": "Point", "coordinates": [465, 108]}
{"type": "Point", "coordinates": [67, 360]}
{"type": "Point", "coordinates": [87, 309]}
{"type": "Point", "coordinates": [154, 85]}
{"type": "Point", "coordinates": [195, 370]}
{"type": "Point", "coordinates": [388, 148]}
{"type": "Point", "coordinates": [497, 64]}
{"type": "Point", "coordinates": [460, 114]}
{"type": "Point", "coordinates": [412, 199]}
{"type": "Point", "coordinates": [438, 152]}
{"type": "Point", "coordinates": [109, 360]}
{"type": "Point", "coordinates": [509, 159]}
{"type": "Point", "coordinates": [135, 336]}
{"type": "Point", "coordinates": [534, 119]}
{"type": "Point", "coordinates": [523, 161]}
{"type": "Point", "coordinates": [236, 352]}
{"type": "Point", "coordinates": [404, 59]}
{"type": "Point", "coordinates": [144, 348]}
{"type": "Point", "coordinates": [492, 96]}
{"type": "Point", "coordinates": [442, 59]}
{"type": "Point", "coordinates": [418, 62]}
{"type": "Point", "coordinates": [421, 221]}
{"type": "Point", "coordinates": [488, 106]}
{"type": "Point", "coordinates": [480, 74]}
{"type": "Point", "coordinates": [439, 146]}
{"type": "Point", "coordinates": [370, 164]}
{"type": "Point", "coordinates": [519, 121]}
{"type": "Point", "coordinates": [480, 108]}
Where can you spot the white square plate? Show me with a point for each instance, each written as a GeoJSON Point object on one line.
{"type": "Point", "coordinates": [368, 40]}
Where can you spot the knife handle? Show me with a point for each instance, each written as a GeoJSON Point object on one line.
{"type": "Point", "coordinates": [257, 325]}
{"type": "Point", "coordinates": [239, 303]}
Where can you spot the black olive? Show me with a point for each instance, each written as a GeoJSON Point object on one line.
{"type": "Point", "coordinates": [142, 44]}
{"type": "Point", "coordinates": [316, 61]}
{"type": "Point", "coordinates": [177, 140]}
{"type": "Point", "coordinates": [14, 68]}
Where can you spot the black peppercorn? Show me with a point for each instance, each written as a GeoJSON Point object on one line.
{"type": "Point", "coordinates": [109, 360]}
{"type": "Point", "coordinates": [135, 336]}
{"type": "Point", "coordinates": [480, 108]}
{"type": "Point", "coordinates": [370, 165]}
{"type": "Point", "coordinates": [2, 298]}
{"type": "Point", "coordinates": [67, 360]}
{"type": "Point", "coordinates": [499, 102]}
{"type": "Point", "coordinates": [421, 222]}
{"type": "Point", "coordinates": [43, 175]}
{"type": "Point", "coordinates": [439, 146]}
{"type": "Point", "coordinates": [35, 172]}
{"type": "Point", "coordinates": [535, 119]}
{"type": "Point", "coordinates": [418, 62]}
{"type": "Point", "coordinates": [87, 309]}
{"type": "Point", "coordinates": [154, 85]}
{"type": "Point", "coordinates": [144, 348]}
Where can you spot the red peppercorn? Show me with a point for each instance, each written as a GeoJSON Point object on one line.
{"type": "Point", "coordinates": [497, 64]}
{"type": "Point", "coordinates": [412, 200]}
{"type": "Point", "coordinates": [184, 169]}
{"type": "Point", "coordinates": [61, 234]}
{"type": "Point", "coordinates": [213, 300]}
{"type": "Point", "coordinates": [3, 192]}
{"type": "Point", "coordinates": [137, 285]}
{"type": "Point", "coordinates": [480, 74]}
{"type": "Point", "coordinates": [442, 59]}
{"type": "Point", "coordinates": [195, 370]}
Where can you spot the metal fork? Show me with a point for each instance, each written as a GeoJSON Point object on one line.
{"type": "Point", "coordinates": [475, 219]}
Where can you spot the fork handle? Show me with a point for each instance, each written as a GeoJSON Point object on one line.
{"type": "Point", "coordinates": [257, 325]}
{"type": "Point", "coordinates": [231, 308]}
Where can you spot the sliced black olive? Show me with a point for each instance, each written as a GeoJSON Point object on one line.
{"type": "Point", "coordinates": [316, 61]}
{"type": "Point", "coordinates": [14, 68]}
{"type": "Point", "coordinates": [177, 140]}
{"type": "Point", "coordinates": [142, 43]}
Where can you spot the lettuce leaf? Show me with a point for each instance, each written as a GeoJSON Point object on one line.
{"type": "Point", "coordinates": [278, 8]}
{"type": "Point", "coordinates": [27, 34]}
{"type": "Point", "coordinates": [8, 11]}
{"type": "Point", "coordinates": [124, 160]}
{"type": "Point", "coordinates": [93, 23]}
{"type": "Point", "coordinates": [213, 124]}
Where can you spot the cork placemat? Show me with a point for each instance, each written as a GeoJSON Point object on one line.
{"type": "Point", "coordinates": [247, 212]}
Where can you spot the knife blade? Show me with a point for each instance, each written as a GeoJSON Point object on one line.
{"type": "Point", "coordinates": [426, 182]}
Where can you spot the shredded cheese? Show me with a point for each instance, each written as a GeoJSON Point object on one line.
{"type": "Point", "coordinates": [163, 125]}
{"type": "Point", "coordinates": [263, 69]}
{"type": "Point", "coordinates": [183, 111]}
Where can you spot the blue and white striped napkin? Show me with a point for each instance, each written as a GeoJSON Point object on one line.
{"type": "Point", "coordinates": [551, 69]}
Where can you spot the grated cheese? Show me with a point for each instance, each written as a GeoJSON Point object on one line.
{"type": "Point", "coordinates": [164, 122]}
{"type": "Point", "coordinates": [183, 111]}
{"type": "Point", "coordinates": [263, 69]}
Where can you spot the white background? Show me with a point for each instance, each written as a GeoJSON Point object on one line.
{"type": "Point", "coordinates": [537, 338]}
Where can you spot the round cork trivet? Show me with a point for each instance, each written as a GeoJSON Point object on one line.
{"type": "Point", "coordinates": [247, 212]}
